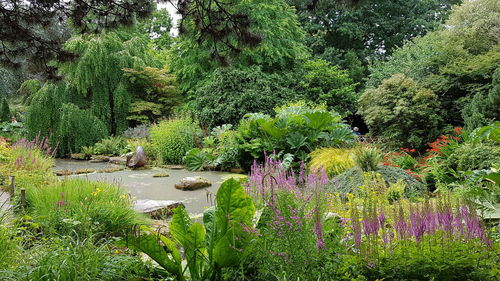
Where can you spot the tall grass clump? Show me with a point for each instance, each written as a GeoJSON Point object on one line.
{"type": "Point", "coordinates": [333, 160]}
{"type": "Point", "coordinates": [173, 138]}
{"type": "Point", "coordinates": [78, 206]}
{"type": "Point", "coordinates": [367, 159]}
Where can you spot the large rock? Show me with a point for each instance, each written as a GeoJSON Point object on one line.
{"type": "Point", "coordinates": [157, 209]}
{"type": "Point", "coordinates": [192, 183]}
{"type": "Point", "coordinates": [138, 159]}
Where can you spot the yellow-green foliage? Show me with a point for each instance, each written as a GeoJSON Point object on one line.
{"type": "Point", "coordinates": [173, 138]}
{"type": "Point", "coordinates": [333, 160]}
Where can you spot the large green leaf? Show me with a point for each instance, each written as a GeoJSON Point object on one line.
{"type": "Point", "coordinates": [164, 253]}
{"type": "Point", "coordinates": [191, 236]}
{"type": "Point", "coordinates": [233, 217]}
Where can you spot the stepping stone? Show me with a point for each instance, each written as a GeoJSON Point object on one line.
{"type": "Point", "coordinates": [156, 209]}
{"type": "Point", "coordinates": [192, 183]}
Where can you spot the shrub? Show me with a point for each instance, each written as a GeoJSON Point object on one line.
{"type": "Point", "coordinates": [78, 128]}
{"type": "Point", "coordinates": [468, 157]}
{"type": "Point", "coordinates": [10, 247]}
{"type": "Point", "coordinates": [227, 151]}
{"type": "Point", "coordinates": [367, 159]}
{"type": "Point", "coordinates": [82, 207]}
{"type": "Point", "coordinates": [297, 129]}
{"type": "Point", "coordinates": [351, 179]}
{"type": "Point", "coordinates": [173, 139]}
{"type": "Point", "coordinates": [402, 111]}
{"type": "Point", "coordinates": [198, 159]}
{"type": "Point", "coordinates": [77, 259]}
{"type": "Point", "coordinates": [332, 160]}
{"type": "Point", "coordinates": [230, 93]}
{"type": "Point", "coordinates": [323, 83]}
{"type": "Point", "coordinates": [483, 108]}
{"type": "Point", "coordinates": [139, 132]}
{"type": "Point", "coordinates": [110, 146]}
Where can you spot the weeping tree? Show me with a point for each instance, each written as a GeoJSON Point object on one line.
{"type": "Point", "coordinates": [97, 75]}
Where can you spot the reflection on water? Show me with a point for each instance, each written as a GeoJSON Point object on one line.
{"type": "Point", "coordinates": [142, 185]}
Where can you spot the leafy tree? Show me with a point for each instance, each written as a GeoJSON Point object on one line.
{"type": "Point", "coordinates": [154, 94]}
{"type": "Point", "coordinates": [27, 89]}
{"type": "Point", "coordinates": [43, 115]}
{"type": "Point", "coordinates": [158, 26]}
{"type": "Point", "coordinates": [9, 81]}
{"type": "Point", "coordinates": [327, 84]}
{"type": "Point", "coordinates": [5, 111]}
{"type": "Point", "coordinates": [97, 74]}
{"type": "Point", "coordinates": [230, 93]}
{"type": "Point", "coordinates": [33, 32]}
{"type": "Point", "coordinates": [402, 111]}
{"type": "Point", "coordinates": [281, 47]}
{"type": "Point", "coordinates": [351, 36]}
{"type": "Point", "coordinates": [78, 128]}
{"type": "Point", "coordinates": [456, 62]}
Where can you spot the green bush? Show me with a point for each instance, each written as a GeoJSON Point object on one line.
{"type": "Point", "coordinates": [367, 159]}
{"type": "Point", "coordinates": [351, 179]}
{"type": "Point", "coordinates": [227, 151]}
{"type": "Point", "coordinates": [468, 157]}
{"type": "Point", "coordinates": [230, 93]}
{"type": "Point", "coordinates": [297, 129]}
{"type": "Point", "coordinates": [483, 108]}
{"type": "Point", "coordinates": [402, 111]}
{"type": "Point", "coordinates": [110, 146]}
{"type": "Point", "coordinates": [76, 259]}
{"type": "Point", "coordinates": [10, 247]}
{"type": "Point", "coordinates": [173, 139]}
{"type": "Point", "coordinates": [198, 159]}
{"type": "Point", "coordinates": [82, 207]}
{"type": "Point", "coordinates": [323, 83]}
{"type": "Point", "coordinates": [78, 128]}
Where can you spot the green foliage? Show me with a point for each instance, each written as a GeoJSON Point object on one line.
{"type": "Point", "coordinates": [44, 114]}
{"type": "Point", "coordinates": [451, 261]}
{"type": "Point", "coordinates": [4, 111]}
{"type": "Point", "coordinates": [227, 150]}
{"type": "Point", "coordinates": [469, 156]}
{"type": "Point", "coordinates": [483, 108]}
{"type": "Point", "coordinates": [352, 36]}
{"type": "Point", "coordinates": [332, 160]}
{"type": "Point", "coordinates": [296, 129]}
{"type": "Point", "coordinates": [27, 89]}
{"type": "Point", "coordinates": [402, 111]}
{"type": "Point", "coordinates": [229, 93]}
{"type": "Point", "coordinates": [367, 159]}
{"type": "Point", "coordinates": [198, 159]}
{"type": "Point", "coordinates": [10, 247]}
{"type": "Point", "coordinates": [9, 81]}
{"type": "Point", "coordinates": [110, 146]}
{"type": "Point", "coordinates": [173, 138]}
{"type": "Point", "coordinates": [281, 48]}
{"type": "Point", "coordinates": [78, 128]}
{"type": "Point", "coordinates": [76, 259]}
{"type": "Point", "coordinates": [158, 26]}
{"type": "Point", "coordinates": [456, 62]}
{"type": "Point", "coordinates": [323, 83]}
{"type": "Point", "coordinates": [80, 207]}
{"type": "Point", "coordinates": [97, 76]}
{"type": "Point", "coordinates": [351, 179]}
{"type": "Point", "coordinates": [154, 93]}
{"type": "Point", "coordinates": [221, 242]}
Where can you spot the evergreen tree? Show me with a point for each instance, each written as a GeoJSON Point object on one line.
{"type": "Point", "coordinates": [5, 114]}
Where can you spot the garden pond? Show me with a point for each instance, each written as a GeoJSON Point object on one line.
{"type": "Point", "coordinates": [142, 185]}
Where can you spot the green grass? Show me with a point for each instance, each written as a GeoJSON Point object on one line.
{"type": "Point", "coordinates": [81, 207]}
